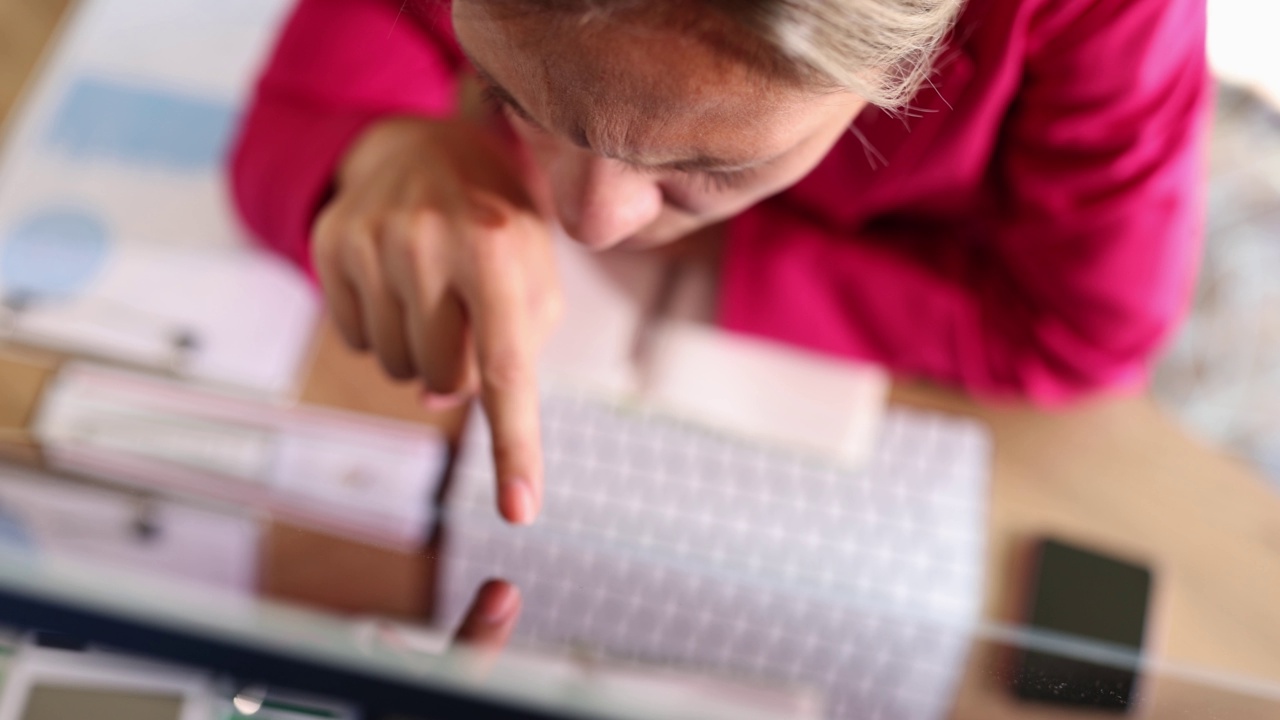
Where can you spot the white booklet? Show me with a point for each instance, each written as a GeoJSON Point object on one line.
{"type": "Point", "coordinates": [50, 517]}
{"type": "Point", "coordinates": [363, 477]}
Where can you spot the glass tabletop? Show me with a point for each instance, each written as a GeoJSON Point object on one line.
{"type": "Point", "coordinates": [735, 648]}
{"type": "Point", "coordinates": [680, 572]}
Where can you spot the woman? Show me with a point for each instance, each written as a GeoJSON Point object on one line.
{"type": "Point", "coordinates": [1003, 196]}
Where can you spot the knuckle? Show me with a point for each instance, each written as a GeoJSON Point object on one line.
{"type": "Point", "coordinates": [361, 266]}
{"type": "Point", "coordinates": [421, 224]}
{"type": "Point", "coordinates": [494, 267]}
{"type": "Point", "coordinates": [482, 246]}
{"type": "Point", "coordinates": [415, 244]}
{"type": "Point", "coordinates": [504, 371]}
{"type": "Point", "coordinates": [326, 236]}
{"type": "Point", "coordinates": [489, 210]}
{"type": "Point", "coordinates": [337, 224]}
{"type": "Point", "coordinates": [492, 243]}
{"type": "Point", "coordinates": [326, 222]}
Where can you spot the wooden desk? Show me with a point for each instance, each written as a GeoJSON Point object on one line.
{"type": "Point", "coordinates": [1116, 474]}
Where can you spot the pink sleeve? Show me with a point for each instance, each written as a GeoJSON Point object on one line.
{"type": "Point", "coordinates": [338, 65]}
{"type": "Point", "coordinates": [1091, 250]}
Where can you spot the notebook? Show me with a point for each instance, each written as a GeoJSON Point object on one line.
{"type": "Point", "coordinates": [667, 542]}
{"type": "Point", "coordinates": [730, 505]}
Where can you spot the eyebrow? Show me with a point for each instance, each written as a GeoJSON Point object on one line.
{"type": "Point", "coordinates": [578, 135]}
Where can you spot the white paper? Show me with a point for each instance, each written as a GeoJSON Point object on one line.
{"type": "Point", "coordinates": [359, 471]}
{"type": "Point", "coordinates": [226, 448]}
{"type": "Point", "coordinates": [369, 478]}
{"type": "Point", "coordinates": [622, 341]}
{"type": "Point", "coordinates": [658, 539]}
{"type": "Point", "coordinates": [766, 391]}
{"type": "Point", "coordinates": [118, 236]}
{"type": "Point", "coordinates": [606, 297]}
{"type": "Point", "coordinates": [46, 515]}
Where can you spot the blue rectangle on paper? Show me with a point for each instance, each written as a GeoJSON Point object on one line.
{"type": "Point", "coordinates": [106, 120]}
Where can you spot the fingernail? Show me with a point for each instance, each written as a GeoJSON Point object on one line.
{"type": "Point", "coordinates": [524, 509]}
{"type": "Point", "coordinates": [499, 610]}
{"type": "Point", "coordinates": [433, 402]}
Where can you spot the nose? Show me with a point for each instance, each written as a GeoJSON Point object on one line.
{"type": "Point", "coordinates": [600, 201]}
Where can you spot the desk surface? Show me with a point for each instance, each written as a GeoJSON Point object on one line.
{"type": "Point", "coordinates": [1116, 474]}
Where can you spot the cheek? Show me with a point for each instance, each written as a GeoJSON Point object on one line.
{"type": "Point", "coordinates": [540, 146]}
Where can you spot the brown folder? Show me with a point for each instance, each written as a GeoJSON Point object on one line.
{"type": "Point", "coordinates": [23, 375]}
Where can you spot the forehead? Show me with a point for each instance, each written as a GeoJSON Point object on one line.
{"type": "Point", "coordinates": [634, 89]}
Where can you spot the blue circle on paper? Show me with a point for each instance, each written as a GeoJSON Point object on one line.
{"type": "Point", "coordinates": [13, 533]}
{"type": "Point", "coordinates": [54, 253]}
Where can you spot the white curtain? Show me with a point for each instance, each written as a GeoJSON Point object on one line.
{"type": "Point", "coordinates": [1244, 44]}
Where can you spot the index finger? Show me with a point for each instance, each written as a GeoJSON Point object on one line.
{"type": "Point", "coordinates": [491, 617]}
{"type": "Point", "coordinates": [488, 625]}
{"type": "Point", "coordinates": [506, 356]}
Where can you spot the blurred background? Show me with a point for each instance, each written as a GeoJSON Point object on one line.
{"type": "Point", "coordinates": [1222, 372]}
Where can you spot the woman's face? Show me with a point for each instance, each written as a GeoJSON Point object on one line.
{"type": "Point", "coordinates": [640, 134]}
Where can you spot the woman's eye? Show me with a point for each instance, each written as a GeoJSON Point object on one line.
{"type": "Point", "coordinates": [720, 181]}
{"type": "Point", "coordinates": [514, 114]}
{"type": "Point", "coordinates": [500, 103]}
{"type": "Point", "coordinates": [491, 96]}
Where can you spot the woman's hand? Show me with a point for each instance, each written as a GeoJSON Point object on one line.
{"type": "Point", "coordinates": [432, 255]}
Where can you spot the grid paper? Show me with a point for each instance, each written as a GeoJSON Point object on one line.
{"type": "Point", "coordinates": [667, 543]}
{"type": "Point", "coordinates": [864, 664]}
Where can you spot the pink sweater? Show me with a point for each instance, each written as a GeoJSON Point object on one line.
{"type": "Point", "coordinates": [1032, 228]}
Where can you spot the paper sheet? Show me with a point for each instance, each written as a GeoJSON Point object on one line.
{"type": "Point", "coordinates": [639, 329]}
{"type": "Point", "coordinates": [665, 542]}
{"type": "Point", "coordinates": [365, 477]}
{"type": "Point", "coordinates": [46, 515]}
{"type": "Point", "coordinates": [606, 296]}
{"type": "Point", "coordinates": [765, 391]}
{"type": "Point", "coordinates": [118, 238]}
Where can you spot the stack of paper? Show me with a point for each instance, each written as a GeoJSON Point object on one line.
{"type": "Point", "coordinates": [50, 517]}
{"type": "Point", "coordinates": [118, 239]}
{"type": "Point", "coordinates": [370, 479]}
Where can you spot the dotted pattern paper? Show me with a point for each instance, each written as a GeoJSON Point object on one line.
{"type": "Point", "coordinates": [668, 543]}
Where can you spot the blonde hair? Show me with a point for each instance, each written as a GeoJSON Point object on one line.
{"type": "Point", "coordinates": [881, 50]}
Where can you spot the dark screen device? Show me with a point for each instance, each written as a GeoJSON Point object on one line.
{"type": "Point", "coordinates": [1090, 596]}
